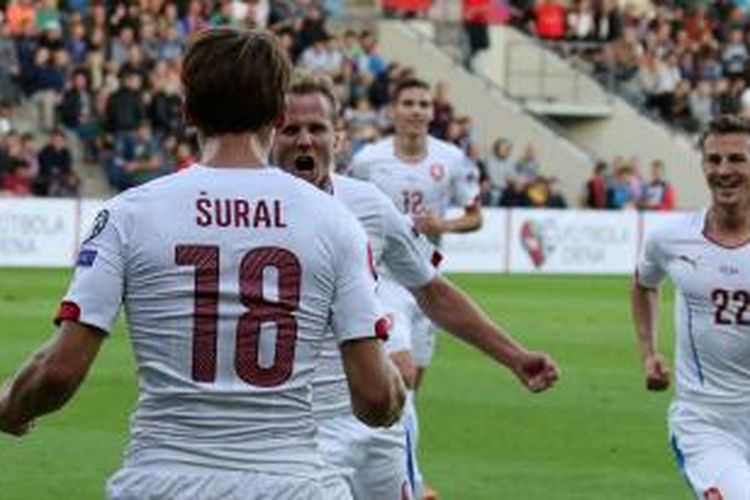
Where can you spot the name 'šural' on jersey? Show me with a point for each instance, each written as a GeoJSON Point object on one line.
{"type": "Point", "coordinates": [238, 212]}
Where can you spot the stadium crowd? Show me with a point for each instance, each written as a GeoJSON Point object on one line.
{"type": "Point", "coordinates": [683, 62]}
{"type": "Point", "coordinates": [107, 78]}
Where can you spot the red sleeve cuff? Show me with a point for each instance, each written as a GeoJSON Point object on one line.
{"type": "Point", "coordinates": [68, 311]}
{"type": "Point", "coordinates": [383, 328]}
{"type": "Point", "coordinates": [436, 259]}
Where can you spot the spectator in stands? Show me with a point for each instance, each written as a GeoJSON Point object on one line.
{"type": "Point", "coordinates": [76, 111]}
{"type": "Point", "coordinates": [19, 14]}
{"type": "Point", "coordinates": [10, 69]}
{"type": "Point", "coordinates": [17, 178]}
{"type": "Point", "coordinates": [595, 196]}
{"type": "Point", "coordinates": [726, 102]}
{"type": "Point", "coordinates": [56, 176]}
{"type": "Point", "coordinates": [527, 166]}
{"type": "Point", "coordinates": [165, 107]}
{"type": "Point", "coordinates": [680, 113]}
{"type": "Point", "coordinates": [476, 16]}
{"type": "Point", "coordinates": [514, 195]}
{"type": "Point", "coordinates": [580, 21]}
{"type": "Point", "coordinates": [6, 118]}
{"type": "Point", "coordinates": [549, 20]}
{"type": "Point", "coordinates": [443, 113]}
{"type": "Point", "coordinates": [734, 56]}
{"type": "Point", "coordinates": [137, 158]}
{"type": "Point", "coordinates": [658, 194]}
{"type": "Point", "coordinates": [320, 57]}
{"type": "Point", "coordinates": [370, 62]}
{"type": "Point", "coordinates": [619, 192]}
{"type": "Point", "coordinates": [126, 107]}
{"type": "Point", "coordinates": [499, 169]}
{"type": "Point", "coordinates": [623, 57]}
{"type": "Point", "coordinates": [701, 104]}
{"type": "Point", "coordinates": [45, 80]}
{"type": "Point", "coordinates": [608, 21]}
{"type": "Point", "coordinates": [555, 198]}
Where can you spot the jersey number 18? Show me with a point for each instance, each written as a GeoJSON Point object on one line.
{"type": "Point", "coordinates": [205, 259]}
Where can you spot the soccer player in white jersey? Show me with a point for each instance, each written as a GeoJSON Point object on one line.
{"type": "Point", "coordinates": [230, 273]}
{"type": "Point", "coordinates": [707, 257]}
{"type": "Point", "coordinates": [375, 461]}
{"type": "Point", "coordinates": [423, 176]}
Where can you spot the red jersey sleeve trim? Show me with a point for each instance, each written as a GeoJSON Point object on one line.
{"type": "Point", "coordinates": [68, 311]}
{"type": "Point", "coordinates": [436, 259]}
{"type": "Point", "coordinates": [383, 328]}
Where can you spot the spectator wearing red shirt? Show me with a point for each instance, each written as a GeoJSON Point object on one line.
{"type": "Point", "coordinates": [596, 187]}
{"type": "Point", "coordinates": [658, 194]}
{"type": "Point", "coordinates": [17, 178]}
{"type": "Point", "coordinates": [549, 20]}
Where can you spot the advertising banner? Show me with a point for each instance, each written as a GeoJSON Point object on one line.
{"type": "Point", "coordinates": [37, 232]}
{"type": "Point", "coordinates": [573, 241]}
{"type": "Point", "coordinates": [483, 251]}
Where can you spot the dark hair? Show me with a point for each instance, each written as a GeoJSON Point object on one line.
{"type": "Point", "coordinates": [305, 83]}
{"type": "Point", "coordinates": [726, 124]}
{"type": "Point", "coordinates": [405, 84]}
{"type": "Point", "coordinates": [234, 80]}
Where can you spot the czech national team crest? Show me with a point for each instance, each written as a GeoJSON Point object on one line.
{"type": "Point", "coordinates": [437, 171]}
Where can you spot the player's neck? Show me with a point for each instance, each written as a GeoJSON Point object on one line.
{"type": "Point", "coordinates": [411, 148]}
{"type": "Point", "coordinates": [236, 150]}
{"type": "Point", "coordinates": [728, 225]}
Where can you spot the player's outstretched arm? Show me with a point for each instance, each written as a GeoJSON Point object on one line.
{"type": "Point", "coordinates": [375, 385]}
{"type": "Point", "coordinates": [645, 305]}
{"type": "Point", "coordinates": [456, 312]}
{"type": "Point", "coordinates": [433, 225]}
{"type": "Point", "coordinates": [49, 378]}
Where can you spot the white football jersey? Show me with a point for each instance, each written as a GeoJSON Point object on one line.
{"type": "Point", "coordinates": [408, 255]}
{"type": "Point", "coordinates": [229, 279]}
{"type": "Point", "coordinates": [712, 310]}
{"type": "Point", "coordinates": [445, 177]}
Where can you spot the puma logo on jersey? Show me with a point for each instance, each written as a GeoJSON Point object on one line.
{"type": "Point", "coordinates": [688, 260]}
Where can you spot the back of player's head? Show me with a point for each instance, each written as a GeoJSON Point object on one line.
{"type": "Point", "coordinates": [405, 84]}
{"type": "Point", "coordinates": [726, 124]}
{"type": "Point", "coordinates": [234, 81]}
{"type": "Point", "coordinates": [306, 83]}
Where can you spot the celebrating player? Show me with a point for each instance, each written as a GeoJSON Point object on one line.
{"type": "Point", "coordinates": [230, 272]}
{"type": "Point", "coordinates": [423, 176]}
{"type": "Point", "coordinates": [707, 257]}
{"type": "Point", "coordinates": [375, 460]}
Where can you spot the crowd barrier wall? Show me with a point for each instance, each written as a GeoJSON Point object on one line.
{"type": "Point", "coordinates": [47, 233]}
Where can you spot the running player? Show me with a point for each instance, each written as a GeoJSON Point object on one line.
{"type": "Point", "coordinates": [375, 460]}
{"type": "Point", "coordinates": [423, 176]}
{"type": "Point", "coordinates": [707, 257]}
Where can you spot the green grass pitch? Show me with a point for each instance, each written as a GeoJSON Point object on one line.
{"type": "Point", "coordinates": [597, 435]}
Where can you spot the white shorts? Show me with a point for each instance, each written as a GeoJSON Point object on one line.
{"type": "Point", "coordinates": [149, 483]}
{"type": "Point", "coordinates": [373, 461]}
{"type": "Point", "coordinates": [411, 330]}
{"type": "Point", "coordinates": [712, 447]}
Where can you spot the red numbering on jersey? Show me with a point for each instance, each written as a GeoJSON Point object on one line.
{"type": "Point", "coordinates": [412, 201]}
{"type": "Point", "coordinates": [730, 307]}
{"type": "Point", "coordinates": [259, 310]}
